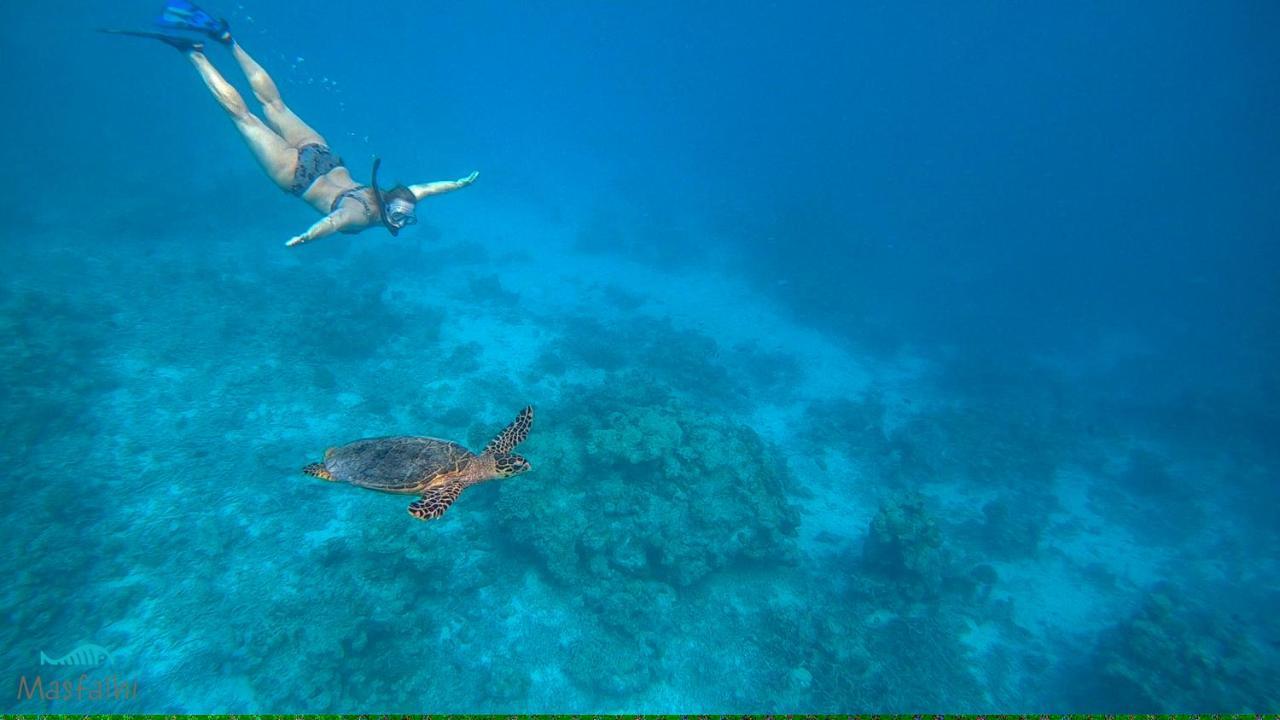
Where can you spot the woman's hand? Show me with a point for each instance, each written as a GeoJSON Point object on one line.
{"type": "Point", "coordinates": [421, 190]}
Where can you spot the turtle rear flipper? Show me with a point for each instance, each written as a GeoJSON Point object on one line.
{"type": "Point", "coordinates": [434, 502]}
{"type": "Point", "coordinates": [512, 435]}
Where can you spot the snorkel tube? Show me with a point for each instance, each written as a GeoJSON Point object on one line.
{"type": "Point", "coordinates": [382, 204]}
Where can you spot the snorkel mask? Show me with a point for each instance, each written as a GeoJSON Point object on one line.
{"type": "Point", "coordinates": [400, 212]}
{"type": "Point", "coordinates": [396, 213]}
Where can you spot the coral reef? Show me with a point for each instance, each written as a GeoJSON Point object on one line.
{"type": "Point", "coordinates": [651, 489]}
{"type": "Point", "coordinates": [1171, 655]}
{"type": "Point", "coordinates": [611, 663]}
{"type": "Point", "coordinates": [855, 426]}
{"type": "Point", "coordinates": [921, 664]}
{"type": "Point", "coordinates": [811, 652]}
{"type": "Point", "coordinates": [904, 544]}
{"type": "Point", "coordinates": [811, 648]}
{"type": "Point", "coordinates": [650, 496]}
{"type": "Point", "coordinates": [1012, 525]}
{"type": "Point", "coordinates": [160, 404]}
{"type": "Point", "coordinates": [1157, 505]}
{"type": "Point", "coordinates": [655, 353]}
{"type": "Point", "coordinates": [986, 445]}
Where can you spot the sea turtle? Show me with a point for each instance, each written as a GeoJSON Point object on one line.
{"type": "Point", "coordinates": [438, 470]}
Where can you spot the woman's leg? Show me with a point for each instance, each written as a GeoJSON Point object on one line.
{"type": "Point", "coordinates": [275, 155]}
{"type": "Point", "coordinates": [279, 116]}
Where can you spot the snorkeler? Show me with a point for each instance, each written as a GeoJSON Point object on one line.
{"type": "Point", "coordinates": [296, 157]}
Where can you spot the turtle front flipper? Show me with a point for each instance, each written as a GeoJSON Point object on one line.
{"type": "Point", "coordinates": [435, 501]}
{"type": "Point", "coordinates": [318, 470]}
{"type": "Point", "coordinates": [512, 435]}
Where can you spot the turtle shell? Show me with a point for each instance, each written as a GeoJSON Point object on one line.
{"type": "Point", "coordinates": [395, 464]}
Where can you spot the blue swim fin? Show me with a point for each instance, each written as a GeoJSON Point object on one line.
{"type": "Point", "coordinates": [185, 15]}
{"type": "Point", "coordinates": [181, 44]}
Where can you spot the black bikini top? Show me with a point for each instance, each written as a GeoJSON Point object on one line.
{"type": "Point", "coordinates": [357, 193]}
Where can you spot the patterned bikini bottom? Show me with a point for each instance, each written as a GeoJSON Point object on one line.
{"type": "Point", "coordinates": [314, 160]}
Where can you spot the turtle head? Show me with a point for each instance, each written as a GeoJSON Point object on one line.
{"type": "Point", "coordinates": [507, 464]}
{"type": "Point", "coordinates": [318, 470]}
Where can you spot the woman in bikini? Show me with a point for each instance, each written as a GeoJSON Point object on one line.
{"type": "Point", "coordinates": [295, 156]}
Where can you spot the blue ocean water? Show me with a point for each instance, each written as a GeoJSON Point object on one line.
{"type": "Point", "coordinates": [886, 357]}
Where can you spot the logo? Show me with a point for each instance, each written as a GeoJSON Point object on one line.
{"type": "Point", "coordinates": [83, 685]}
{"type": "Point", "coordinates": [85, 655]}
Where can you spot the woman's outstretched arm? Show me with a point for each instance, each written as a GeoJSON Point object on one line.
{"type": "Point", "coordinates": [344, 218]}
{"type": "Point", "coordinates": [422, 190]}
